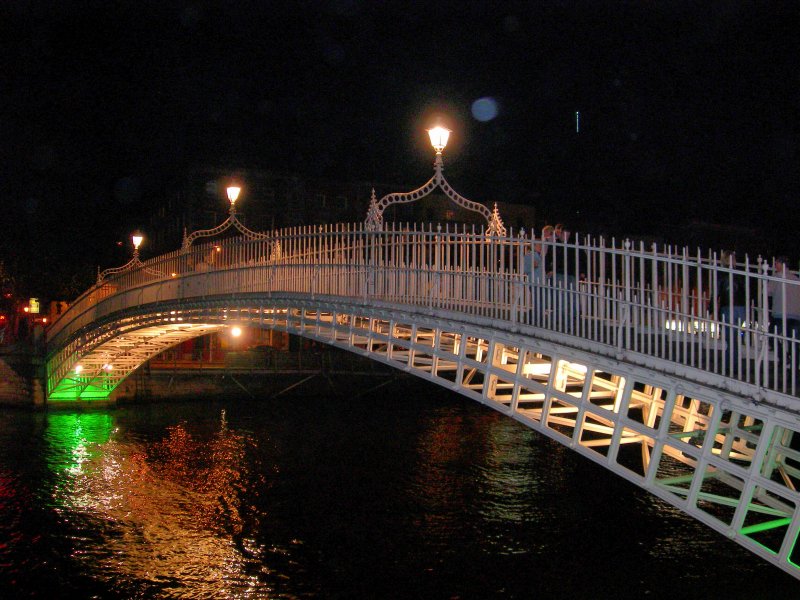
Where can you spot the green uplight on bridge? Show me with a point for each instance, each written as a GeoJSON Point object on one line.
{"type": "Point", "coordinates": [783, 523]}
{"type": "Point", "coordinates": [71, 392]}
{"type": "Point", "coordinates": [766, 526]}
{"type": "Point", "coordinates": [79, 387]}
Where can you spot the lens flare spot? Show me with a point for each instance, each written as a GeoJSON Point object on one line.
{"type": "Point", "coordinates": [484, 109]}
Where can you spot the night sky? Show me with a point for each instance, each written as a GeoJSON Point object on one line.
{"type": "Point", "coordinates": [688, 112]}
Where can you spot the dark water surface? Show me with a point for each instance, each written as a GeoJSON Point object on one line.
{"type": "Point", "coordinates": [409, 493]}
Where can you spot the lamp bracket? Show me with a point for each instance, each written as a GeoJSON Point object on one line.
{"type": "Point", "coordinates": [374, 221]}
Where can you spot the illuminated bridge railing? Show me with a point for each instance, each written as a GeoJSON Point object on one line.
{"type": "Point", "coordinates": [664, 308]}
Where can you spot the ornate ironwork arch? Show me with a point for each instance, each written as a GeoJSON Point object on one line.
{"type": "Point", "coordinates": [133, 263]}
{"type": "Point", "coordinates": [374, 221]}
{"type": "Point", "coordinates": [231, 221]}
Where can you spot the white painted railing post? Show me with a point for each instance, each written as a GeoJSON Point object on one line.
{"type": "Point", "coordinates": [624, 315]}
{"type": "Point", "coordinates": [761, 363]}
{"type": "Point", "coordinates": [369, 272]}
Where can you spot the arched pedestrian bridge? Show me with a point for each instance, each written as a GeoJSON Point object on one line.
{"type": "Point", "coordinates": [620, 351]}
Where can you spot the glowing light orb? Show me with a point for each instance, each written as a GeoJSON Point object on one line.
{"type": "Point", "coordinates": [236, 332]}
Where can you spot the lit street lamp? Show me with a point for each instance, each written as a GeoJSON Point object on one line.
{"type": "Point", "coordinates": [136, 238]}
{"type": "Point", "coordinates": [439, 137]}
{"type": "Point", "coordinates": [233, 192]}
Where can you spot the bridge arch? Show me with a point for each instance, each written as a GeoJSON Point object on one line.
{"type": "Point", "coordinates": [699, 449]}
{"type": "Point", "coordinates": [631, 383]}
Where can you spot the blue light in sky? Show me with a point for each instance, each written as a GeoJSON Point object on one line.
{"type": "Point", "coordinates": [484, 109]}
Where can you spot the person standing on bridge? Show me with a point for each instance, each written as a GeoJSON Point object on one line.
{"type": "Point", "coordinates": [548, 249]}
{"type": "Point", "coordinates": [785, 296]}
{"type": "Point", "coordinates": [570, 267]}
{"type": "Point", "coordinates": [733, 300]}
{"type": "Point", "coordinates": [533, 262]}
{"type": "Point", "coordinates": [533, 266]}
{"type": "Point", "coordinates": [567, 272]}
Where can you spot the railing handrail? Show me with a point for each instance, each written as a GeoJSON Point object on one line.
{"type": "Point", "coordinates": [628, 284]}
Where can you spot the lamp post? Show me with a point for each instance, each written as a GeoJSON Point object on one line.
{"type": "Point", "coordinates": [136, 239]}
{"type": "Point", "coordinates": [439, 137]}
{"type": "Point", "coordinates": [233, 192]}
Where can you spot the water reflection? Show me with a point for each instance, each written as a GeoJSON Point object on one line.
{"type": "Point", "coordinates": [508, 482]}
{"type": "Point", "coordinates": [401, 496]}
{"type": "Point", "coordinates": [75, 439]}
{"type": "Point", "coordinates": [170, 511]}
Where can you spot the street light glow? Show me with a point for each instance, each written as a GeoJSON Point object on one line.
{"type": "Point", "coordinates": [137, 238]}
{"type": "Point", "coordinates": [233, 193]}
{"type": "Point", "coordinates": [439, 136]}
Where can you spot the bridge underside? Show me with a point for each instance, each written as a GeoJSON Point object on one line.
{"type": "Point", "coordinates": [728, 461]}
{"type": "Point", "coordinates": [95, 371]}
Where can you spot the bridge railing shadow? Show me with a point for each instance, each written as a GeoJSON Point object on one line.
{"type": "Point", "coordinates": [665, 306]}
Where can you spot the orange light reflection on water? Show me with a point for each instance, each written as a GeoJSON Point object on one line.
{"type": "Point", "coordinates": [172, 510]}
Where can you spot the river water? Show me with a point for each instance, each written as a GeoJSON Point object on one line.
{"type": "Point", "coordinates": [411, 492]}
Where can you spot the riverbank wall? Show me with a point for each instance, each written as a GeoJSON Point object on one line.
{"type": "Point", "coordinates": [20, 383]}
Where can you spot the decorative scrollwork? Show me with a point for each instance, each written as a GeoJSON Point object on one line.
{"type": "Point", "coordinates": [134, 263]}
{"type": "Point", "coordinates": [231, 221]}
{"type": "Point", "coordinates": [374, 220]}
{"type": "Point", "coordinates": [374, 214]}
{"type": "Point", "coordinates": [275, 251]}
{"type": "Point", "coordinates": [496, 226]}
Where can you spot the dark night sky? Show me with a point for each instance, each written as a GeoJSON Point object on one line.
{"type": "Point", "coordinates": [689, 110]}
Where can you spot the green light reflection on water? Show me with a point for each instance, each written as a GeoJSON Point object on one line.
{"type": "Point", "coordinates": [162, 513]}
{"type": "Point", "coordinates": [74, 439]}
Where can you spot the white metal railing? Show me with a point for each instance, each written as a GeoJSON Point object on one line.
{"type": "Point", "coordinates": [663, 303]}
